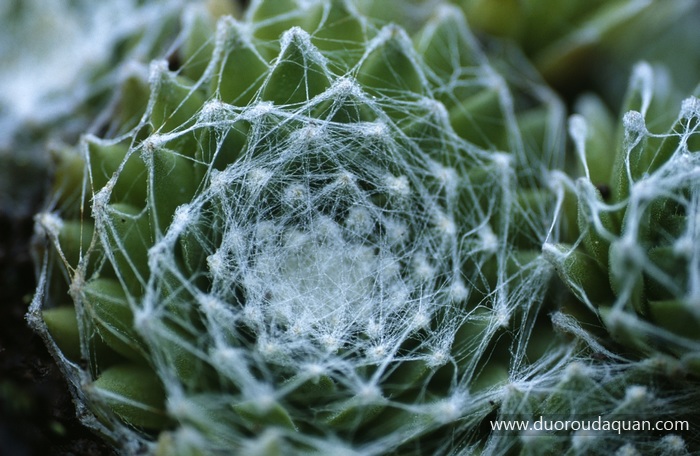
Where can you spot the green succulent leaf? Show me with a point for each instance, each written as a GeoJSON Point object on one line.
{"type": "Point", "coordinates": [142, 406]}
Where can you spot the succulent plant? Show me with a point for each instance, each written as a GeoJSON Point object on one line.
{"type": "Point", "coordinates": [52, 94]}
{"type": "Point", "coordinates": [636, 261]}
{"type": "Point", "coordinates": [311, 231]}
{"type": "Point", "coordinates": [579, 43]}
{"type": "Point", "coordinates": [591, 407]}
{"type": "Point", "coordinates": [321, 235]}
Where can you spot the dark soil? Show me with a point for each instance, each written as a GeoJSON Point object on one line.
{"type": "Point", "coordinates": [37, 416]}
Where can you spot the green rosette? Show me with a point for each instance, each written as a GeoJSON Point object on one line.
{"type": "Point", "coordinates": [322, 235]}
